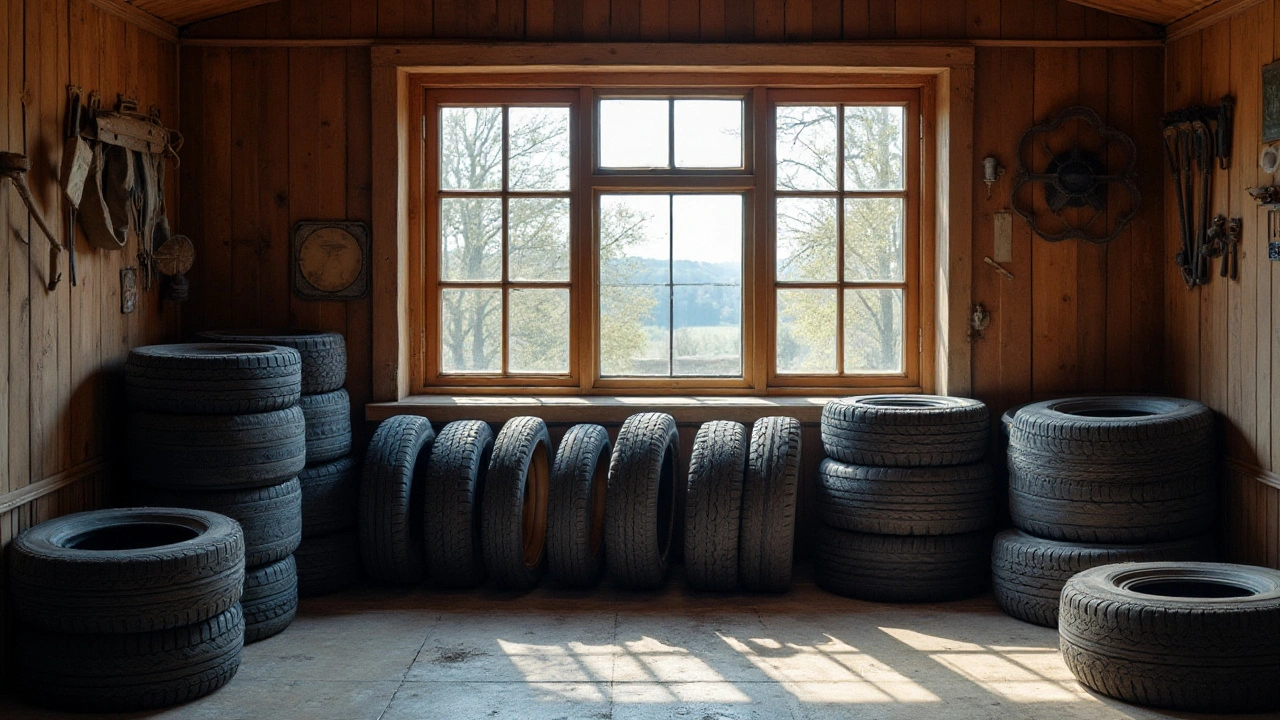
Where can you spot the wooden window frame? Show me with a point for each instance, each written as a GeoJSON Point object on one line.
{"type": "Point", "coordinates": [943, 76]}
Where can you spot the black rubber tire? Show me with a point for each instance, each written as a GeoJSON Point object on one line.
{"type": "Point", "coordinates": [391, 491]}
{"type": "Point", "coordinates": [330, 496]}
{"type": "Point", "coordinates": [906, 501]}
{"type": "Point", "coordinates": [1027, 572]}
{"type": "Point", "coordinates": [129, 671]}
{"type": "Point", "coordinates": [213, 378]}
{"type": "Point", "coordinates": [328, 563]}
{"type": "Point", "coordinates": [640, 503]}
{"type": "Point", "coordinates": [184, 567]}
{"type": "Point", "coordinates": [899, 568]}
{"type": "Point", "coordinates": [270, 599]}
{"type": "Point", "coordinates": [513, 510]}
{"type": "Point", "coordinates": [271, 517]}
{"type": "Point", "coordinates": [1080, 471]}
{"type": "Point", "coordinates": [216, 452]}
{"type": "Point", "coordinates": [328, 421]}
{"type": "Point", "coordinates": [575, 507]}
{"type": "Point", "coordinates": [1214, 654]}
{"type": "Point", "coordinates": [324, 354]}
{"type": "Point", "coordinates": [905, 430]}
{"type": "Point", "coordinates": [767, 539]}
{"type": "Point", "coordinates": [451, 504]}
{"type": "Point", "coordinates": [713, 506]}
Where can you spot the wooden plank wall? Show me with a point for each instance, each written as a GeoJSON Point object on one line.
{"type": "Point", "coordinates": [62, 352]}
{"type": "Point", "coordinates": [1223, 340]}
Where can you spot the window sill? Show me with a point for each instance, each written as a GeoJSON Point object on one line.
{"type": "Point", "coordinates": [598, 409]}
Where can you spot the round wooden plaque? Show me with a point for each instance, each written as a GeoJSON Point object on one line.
{"type": "Point", "coordinates": [330, 259]}
{"type": "Point", "coordinates": [176, 256]}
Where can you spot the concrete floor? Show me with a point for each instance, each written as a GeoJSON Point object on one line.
{"type": "Point", "coordinates": [609, 655]}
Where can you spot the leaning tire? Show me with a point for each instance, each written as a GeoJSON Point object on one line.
{"type": "Point", "coordinates": [639, 515]}
{"type": "Point", "coordinates": [130, 671]}
{"type": "Point", "coordinates": [713, 506]}
{"type": "Point", "coordinates": [270, 599]}
{"type": "Point", "coordinates": [173, 567]}
{"type": "Point", "coordinates": [767, 540]}
{"type": "Point", "coordinates": [324, 354]}
{"type": "Point", "coordinates": [390, 507]}
{"type": "Point", "coordinates": [1027, 572]}
{"type": "Point", "coordinates": [1122, 470]}
{"type": "Point", "coordinates": [906, 501]}
{"type": "Point", "coordinates": [330, 496]}
{"type": "Point", "coordinates": [213, 378]}
{"type": "Point", "coordinates": [216, 452]}
{"type": "Point", "coordinates": [328, 421]}
{"type": "Point", "coordinates": [1197, 637]}
{"type": "Point", "coordinates": [271, 517]}
{"type": "Point", "coordinates": [455, 480]}
{"type": "Point", "coordinates": [905, 430]}
{"type": "Point", "coordinates": [513, 511]}
{"type": "Point", "coordinates": [328, 563]}
{"type": "Point", "coordinates": [576, 506]}
{"type": "Point", "coordinates": [896, 568]}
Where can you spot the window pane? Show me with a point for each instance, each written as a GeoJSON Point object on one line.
{"type": "Point", "coordinates": [708, 330]}
{"type": "Point", "coordinates": [806, 147]}
{"type": "Point", "coordinates": [635, 239]}
{"type": "Point", "coordinates": [806, 239]}
{"type": "Point", "coordinates": [538, 321]}
{"type": "Point", "coordinates": [873, 145]}
{"type": "Point", "coordinates": [873, 331]}
{"type": "Point", "coordinates": [538, 239]}
{"type": "Point", "coordinates": [471, 234]}
{"type": "Point", "coordinates": [635, 325]}
{"type": "Point", "coordinates": [708, 133]}
{"type": "Point", "coordinates": [707, 239]}
{"type": "Point", "coordinates": [806, 331]}
{"type": "Point", "coordinates": [539, 147]}
{"type": "Point", "coordinates": [471, 148]}
{"type": "Point", "coordinates": [471, 331]}
{"type": "Point", "coordinates": [634, 134]}
{"type": "Point", "coordinates": [873, 246]}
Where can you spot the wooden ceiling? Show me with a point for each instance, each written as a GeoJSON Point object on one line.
{"type": "Point", "coordinates": [183, 12]}
{"type": "Point", "coordinates": [1160, 12]}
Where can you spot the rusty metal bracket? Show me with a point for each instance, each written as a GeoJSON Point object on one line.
{"type": "Point", "coordinates": [14, 167]}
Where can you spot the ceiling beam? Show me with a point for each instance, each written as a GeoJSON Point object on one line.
{"type": "Point", "coordinates": [1207, 16]}
{"type": "Point", "coordinates": [141, 18]}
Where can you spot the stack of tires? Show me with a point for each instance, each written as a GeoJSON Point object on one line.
{"type": "Point", "coordinates": [217, 427]}
{"type": "Point", "coordinates": [904, 499]}
{"type": "Point", "coordinates": [1101, 480]}
{"type": "Point", "coordinates": [327, 559]}
{"type": "Point", "coordinates": [126, 610]}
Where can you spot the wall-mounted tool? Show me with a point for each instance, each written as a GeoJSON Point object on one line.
{"type": "Point", "coordinates": [1194, 138]}
{"type": "Point", "coordinates": [1235, 228]}
{"type": "Point", "coordinates": [992, 171]}
{"type": "Point", "coordinates": [15, 167]}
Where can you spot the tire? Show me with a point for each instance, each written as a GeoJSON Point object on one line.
{"type": "Point", "coordinates": [905, 430]}
{"type": "Point", "coordinates": [896, 568]}
{"type": "Point", "coordinates": [767, 540]}
{"type": "Point", "coordinates": [906, 501]}
{"type": "Point", "coordinates": [639, 517]}
{"type": "Point", "coordinates": [575, 507]}
{"type": "Point", "coordinates": [1123, 470]}
{"type": "Point", "coordinates": [130, 671]}
{"type": "Point", "coordinates": [174, 567]}
{"type": "Point", "coordinates": [213, 378]}
{"type": "Point", "coordinates": [330, 496]}
{"type": "Point", "coordinates": [270, 599]}
{"type": "Point", "coordinates": [513, 510]}
{"type": "Point", "coordinates": [216, 452]}
{"type": "Point", "coordinates": [328, 421]}
{"type": "Point", "coordinates": [271, 517]}
{"type": "Point", "coordinates": [324, 354]}
{"type": "Point", "coordinates": [1131, 632]}
{"type": "Point", "coordinates": [451, 522]}
{"type": "Point", "coordinates": [390, 506]}
{"type": "Point", "coordinates": [713, 506]}
{"type": "Point", "coordinates": [1027, 572]}
{"type": "Point", "coordinates": [328, 563]}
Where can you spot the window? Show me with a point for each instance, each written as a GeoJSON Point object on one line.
{"type": "Point", "coordinates": [605, 240]}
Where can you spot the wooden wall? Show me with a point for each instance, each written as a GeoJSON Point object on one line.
{"type": "Point", "coordinates": [62, 352]}
{"type": "Point", "coordinates": [1224, 341]}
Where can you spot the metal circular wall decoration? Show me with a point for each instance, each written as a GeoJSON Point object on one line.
{"type": "Point", "coordinates": [1076, 180]}
{"type": "Point", "coordinates": [331, 260]}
